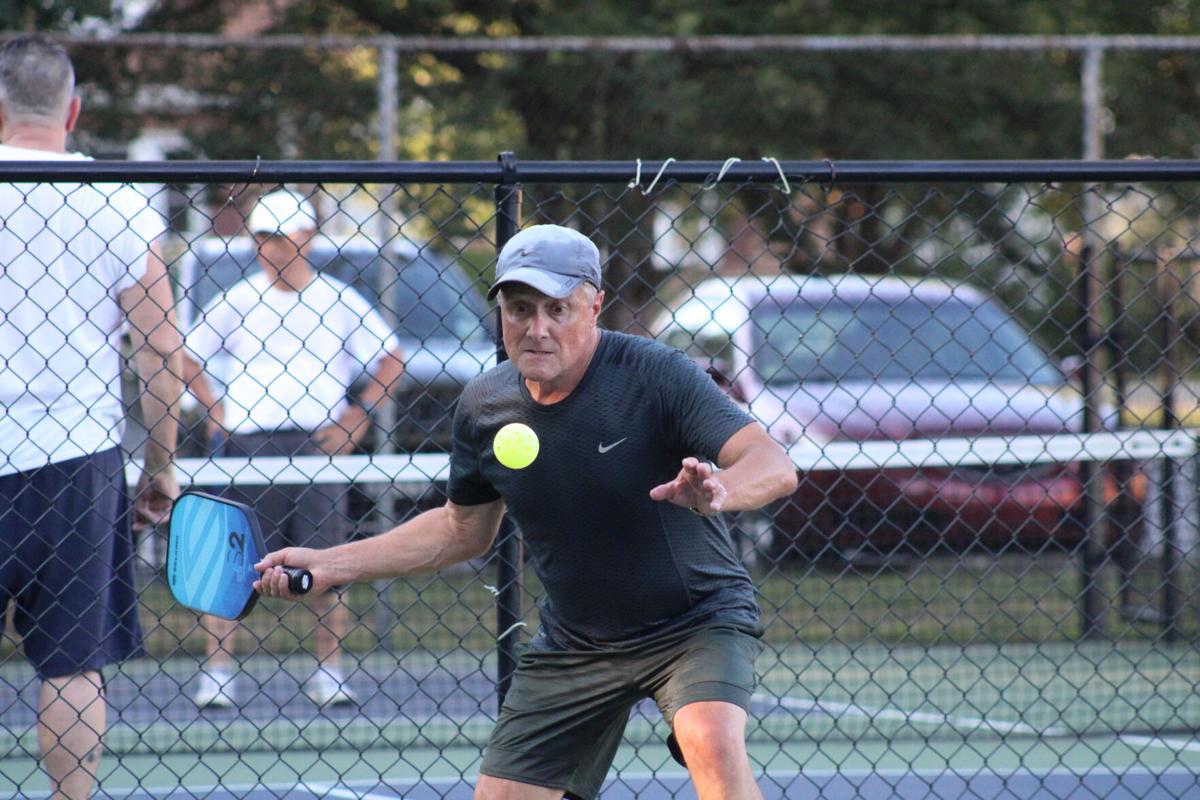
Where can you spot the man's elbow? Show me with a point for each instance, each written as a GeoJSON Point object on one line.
{"type": "Point", "coordinates": [164, 342]}
{"type": "Point", "coordinates": [397, 367]}
{"type": "Point", "coordinates": [473, 535]}
{"type": "Point", "coordinates": [789, 481]}
{"type": "Point", "coordinates": [786, 479]}
{"type": "Point", "coordinates": [478, 549]}
{"type": "Point", "coordinates": [480, 543]}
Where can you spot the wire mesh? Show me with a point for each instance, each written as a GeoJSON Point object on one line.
{"type": "Point", "coordinates": [988, 389]}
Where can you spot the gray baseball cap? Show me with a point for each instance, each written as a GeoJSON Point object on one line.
{"type": "Point", "coordinates": [550, 258]}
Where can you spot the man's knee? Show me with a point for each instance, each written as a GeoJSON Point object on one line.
{"type": "Point", "coordinates": [711, 732]}
{"type": "Point", "coordinates": [490, 788]}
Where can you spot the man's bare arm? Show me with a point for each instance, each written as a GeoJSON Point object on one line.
{"type": "Point", "coordinates": [435, 539]}
{"type": "Point", "coordinates": [383, 379]}
{"type": "Point", "coordinates": [150, 309]}
{"type": "Point", "coordinates": [755, 469]}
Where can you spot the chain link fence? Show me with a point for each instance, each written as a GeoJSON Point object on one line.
{"type": "Point", "coordinates": [985, 374]}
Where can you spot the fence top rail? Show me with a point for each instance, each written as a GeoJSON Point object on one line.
{"type": "Point", "coordinates": [641, 44]}
{"type": "Point", "coordinates": [639, 174]}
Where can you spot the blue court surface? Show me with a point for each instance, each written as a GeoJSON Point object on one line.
{"type": "Point", "coordinates": [904, 785]}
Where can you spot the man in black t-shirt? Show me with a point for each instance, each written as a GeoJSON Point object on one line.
{"type": "Point", "coordinates": [645, 596]}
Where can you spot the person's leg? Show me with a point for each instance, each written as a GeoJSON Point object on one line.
{"type": "Point", "coordinates": [489, 788]}
{"type": "Point", "coordinates": [328, 683]}
{"type": "Point", "coordinates": [75, 602]}
{"type": "Point", "coordinates": [215, 684]}
{"type": "Point", "coordinates": [214, 687]}
{"type": "Point", "coordinates": [703, 685]}
{"type": "Point", "coordinates": [71, 714]}
{"type": "Point", "coordinates": [318, 518]}
{"type": "Point", "coordinates": [712, 736]}
{"type": "Point", "coordinates": [219, 643]}
{"type": "Point", "coordinates": [560, 727]}
{"type": "Point", "coordinates": [332, 623]}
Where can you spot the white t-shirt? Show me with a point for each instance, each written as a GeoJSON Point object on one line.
{"type": "Point", "coordinates": [66, 252]}
{"type": "Point", "coordinates": [286, 357]}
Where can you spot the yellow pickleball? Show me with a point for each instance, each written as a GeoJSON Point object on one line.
{"type": "Point", "coordinates": [515, 445]}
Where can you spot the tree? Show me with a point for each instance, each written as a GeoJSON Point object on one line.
{"type": "Point", "coordinates": [36, 15]}
{"type": "Point", "coordinates": [687, 104]}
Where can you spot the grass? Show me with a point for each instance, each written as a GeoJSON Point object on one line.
{"type": "Point", "coordinates": [947, 600]}
{"type": "Point", "coordinates": [951, 600]}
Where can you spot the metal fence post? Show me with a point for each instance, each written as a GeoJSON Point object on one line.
{"type": "Point", "coordinates": [1090, 286]}
{"type": "Point", "coordinates": [1092, 552]}
{"type": "Point", "coordinates": [509, 551]}
{"type": "Point", "coordinates": [1169, 333]}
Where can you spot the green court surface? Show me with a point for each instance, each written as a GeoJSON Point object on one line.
{"type": "Point", "coordinates": [1096, 719]}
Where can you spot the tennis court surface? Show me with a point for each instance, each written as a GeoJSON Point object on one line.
{"type": "Point", "coordinates": [1092, 720]}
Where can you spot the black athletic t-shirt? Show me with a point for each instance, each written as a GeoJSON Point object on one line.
{"type": "Point", "coordinates": [619, 569]}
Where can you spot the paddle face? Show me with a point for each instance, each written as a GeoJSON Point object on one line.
{"type": "Point", "coordinates": [212, 547]}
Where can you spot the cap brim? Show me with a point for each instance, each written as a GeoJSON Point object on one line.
{"type": "Point", "coordinates": [548, 283]}
{"type": "Point", "coordinates": [284, 229]}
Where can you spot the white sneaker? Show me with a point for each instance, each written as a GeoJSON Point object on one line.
{"type": "Point", "coordinates": [214, 690]}
{"type": "Point", "coordinates": [328, 686]}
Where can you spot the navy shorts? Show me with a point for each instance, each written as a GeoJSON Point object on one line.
{"type": "Point", "coordinates": [67, 563]}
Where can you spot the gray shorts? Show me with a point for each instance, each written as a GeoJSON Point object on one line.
{"type": "Point", "coordinates": [565, 712]}
{"type": "Point", "coordinates": [291, 515]}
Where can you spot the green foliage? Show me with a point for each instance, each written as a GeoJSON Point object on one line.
{"type": "Point", "coordinates": [687, 104]}
{"type": "Point", "coordinates": [45, 15]}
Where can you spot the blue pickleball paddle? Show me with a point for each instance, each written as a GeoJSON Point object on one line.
{"type": "Point", "coordinates": [212, 547]}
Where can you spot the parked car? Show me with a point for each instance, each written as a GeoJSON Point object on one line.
{"type": "Point", "coordinates": [440, 318]}
{"type": "Point", "coordinates": [851, 358]}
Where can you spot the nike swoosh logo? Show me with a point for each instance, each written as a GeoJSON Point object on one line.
{"type": "Point", "coordinates": [603, 449]}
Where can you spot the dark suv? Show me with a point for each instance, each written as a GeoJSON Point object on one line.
{"type": "Point", "coordinates": [439, 317]}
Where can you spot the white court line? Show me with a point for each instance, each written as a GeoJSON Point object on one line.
{"type": "Point", "coordinates": [1188, 745]}
{"type": "Point", "coordinates": [836, 709]}
{"type": "Point", "coordinates": [343, 791]}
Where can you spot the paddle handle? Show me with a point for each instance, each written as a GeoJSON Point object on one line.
{"type": "Point", "coordinates": [300, 580]}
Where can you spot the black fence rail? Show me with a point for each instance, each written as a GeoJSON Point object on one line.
{"type": "Point", "coordinates": [985, 373]}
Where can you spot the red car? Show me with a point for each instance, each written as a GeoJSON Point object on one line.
{"type": "Point", "coordinates": [823, 362]}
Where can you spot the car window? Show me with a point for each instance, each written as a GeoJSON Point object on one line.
{"type": "Point", "coordinates": [434, 300]}
{"type": "Point", "coordinates": [707, 345]}
{"type": "Point", "coordinates": [946, 339]}
{"type": "Point", "coordinates": [213, 273]}
{"type": "Point", "coordinates": [364, 270]}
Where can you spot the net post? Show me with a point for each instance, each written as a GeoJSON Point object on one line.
{"type": "Point", "coordinates": [507, 196]}
{"type": "Point", "coordinates": [1169, 333]}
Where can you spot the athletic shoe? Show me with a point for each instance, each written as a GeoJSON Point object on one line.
{"type": "Point", "coordinates": [328, 687]}
{"type": "Point", "coordinates": [214, 690]}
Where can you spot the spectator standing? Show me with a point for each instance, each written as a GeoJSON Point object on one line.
{"type": "Point", "coordinates": [288, 344]}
